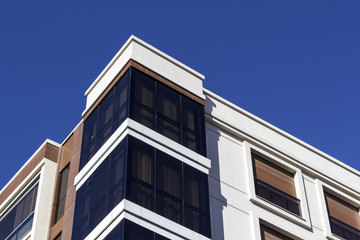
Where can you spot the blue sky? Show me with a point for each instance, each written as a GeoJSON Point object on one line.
{"type": "Point", "coordinates": [295, 64]}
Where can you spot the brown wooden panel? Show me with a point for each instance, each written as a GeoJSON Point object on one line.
{"type": "Point", "coordinates": [343, 211]}
{"type": "Point", "coordinates": [56, 229]}
{"type": "Point", "coordinates": [51, 152]}
{"type": "Point", "coordinates": [270, 234]}
{"type": "Point", "coordinates": [70, 154]}
{"type": "Point", "coordinates": [274, 175]}
{"type": "Point", "coordinates": [132, 63]}
{"type": "Point", "coordinates": [48, 150]}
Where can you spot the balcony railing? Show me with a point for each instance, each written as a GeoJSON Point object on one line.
{"type": "Point", "coordinates": [344, 230]}
{"type": "Point", "coordinates": [276, 196]}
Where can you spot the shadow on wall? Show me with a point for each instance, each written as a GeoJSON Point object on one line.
{"type": "Point", "coordinates": [217, 201]}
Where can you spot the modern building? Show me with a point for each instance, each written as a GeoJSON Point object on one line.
{"type": "Point", "coordinates": [157, 156]}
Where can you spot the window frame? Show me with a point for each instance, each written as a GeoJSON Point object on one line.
{"type": "Point", "coordinates": [20, 196]}
{"type": "Point", "coordinates": [283, 162]}
{"type": "Point", "coordinates": [338, 192]}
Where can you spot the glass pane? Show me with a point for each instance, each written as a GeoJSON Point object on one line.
{"type": "Point", "coordinates": [168, 102]}
{"type": "Point", "coordinates": [62, 193]}
{"type": "Point", "coordinates": [90, 129]}
{"type": "Point", "coordinates": [116, 176]}
{"type": "Point", "coordinates": [117, 233]}
{"type": "Point", "coordinates": [169, 207]}
{"type": "Point", "coordinates": [140, 194]}
{"type": "Point", "coordinates": [98, 183]}
{"type": "Point", "coordinates": [141, 161]}
{"type": "Point", "coordinates": [121, 92]}
{"type": "Point", "coordinates": [97, 213]}
{"type": "Point", "coordinates": [144, 116]}
{"type": "Point", "coordinates": [136, 232]}
{"type": "Point", "coordinates": [191, 117]}
{"type": "Point", "coordinates": [143, 89]}
{"type": "Point", "coordinates": [189, 140]}
{"type": "Point", "coordinates": [106, 110]}
{"type": "Point", "coordinates": [168, 128]}
{"type": "Point", "coordinates": [196, 188]}
{"type": "Point", "coordinates": [168, 174]}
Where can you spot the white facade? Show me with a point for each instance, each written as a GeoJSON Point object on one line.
{"type": "Point", "coordinates": [235, 209]}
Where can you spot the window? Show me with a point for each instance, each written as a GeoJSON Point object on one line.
{"type": "Point", "coordinates": [168, 112]}
{"type": "Point", "coordinates": [105, 119]}
{"type": "Point", "coordinates": [275, 184]}
{"type": "Point", "coordinates": [100, 193]}
{"type": "Point", "coordinates": [167, 186]}
{"type": "Point", "coordinates": [18, 221]}
{"type": "Point", "coordinates": [127, 230]}
{"type": "Point", "coordinates": [62, 188]}
{"type": "Point", "coordinates": [344, 218]}
{"type": "Point", "coordinates": [154, 180]}
{"type": "Point", "coordinates": [152, 104]}
{"type": "Point", "coordinates": [270, 234]}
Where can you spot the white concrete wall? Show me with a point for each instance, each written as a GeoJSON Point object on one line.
{"type": "Point", "coordinates": [43, 208]}
{"type": "Point", "coordinates": [236, 211]}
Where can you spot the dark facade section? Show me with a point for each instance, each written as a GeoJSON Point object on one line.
{"type": "Point", "coordinates": [154, 180]}
{"type": "Point", "coordinates": [151, 103]}
{"type": "Point", "coordinates": [100, 193]}
{"type": "Point", "coordinates": [168, 186]}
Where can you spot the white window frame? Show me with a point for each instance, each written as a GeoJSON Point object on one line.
{"type": "Point", "coordinates": [284, 163]}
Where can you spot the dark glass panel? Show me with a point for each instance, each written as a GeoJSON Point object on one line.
{"type": "Point", "coordinates": [190, 141]}
{"type": "Point", "coordinates": [141, 161]}
{"type": "Point", "coordinates": [62, 193]}
{"type": "Point", "coordinates": [196, 188]}
{"type": "Point", "coordinates": [116, 176]}
{"type": "Point", "coordinates": [192, 115]}
{"type": "Point", "coordinates": [169, 207]}
{"type": "Point", "coordinates": [90, 129]}
{"type": "Point", "coordinates": [168, 174]}
{"type": "Point", "coordinates": [140, 193]}
{"type": "Point", "coordinates": [197, 221]}
{"type": "Point", "coordinates": [117, 233]}
{"type": "Point", "coordinates": [100, 193]}
{"type": "Point", "coordinates": [121, 92]}
{"type": "Point", "coordinates": [168, 102]}
{"type": "Point", "coordinates": [168, 128]}
{"type": "Point", "coordinates": [105, 119]}
{"type": "Point", "coordinates": [106, 110]}
{"type": "Point", "coordinates": [98, 183]}
{"type": "Point", "coordinates": [159, 237]}
{"type": "Point", "coordinates": [144, 115]}
{"type": "Point", "coordinates": [136, 232]}
{"type": "Point", "coordinates": [97, 213]}
{"type": "Point", "coordinates": [143, 88]}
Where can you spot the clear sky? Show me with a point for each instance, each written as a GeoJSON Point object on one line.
{"type": "Point", "coordinates": [295, 64]}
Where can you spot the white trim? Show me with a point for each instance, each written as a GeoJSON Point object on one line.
{"type": "Point", "coordinates": [279, 131]}
{"type": "Point", "coordinates": [304, 219]}
{"type": "Point", "coordinates": [145, 218]}
{"type": "Point", "coordinates": [131, 39]}
{"type": "Point", "coordinates": [25, 164]}
{"type": "Point", "coordinates": [30, 179]}
{"type": "Point", "coordinates": [156, 140]}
